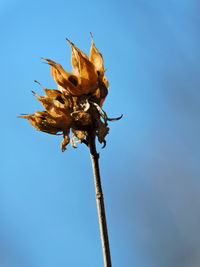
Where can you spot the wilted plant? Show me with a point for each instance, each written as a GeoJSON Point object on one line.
{"type": "Point", "coordinates": [76, 105]}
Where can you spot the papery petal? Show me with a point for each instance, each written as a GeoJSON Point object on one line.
{"type": "Point", "coordinates": [100, 94]}
{"type": "Point", "coordinates": [66, 140]}
{"type": "Point", "coordinates": [105, 81]}
{"type": "Point", "coordinates": [68, 82]}
{"type": "Point", "coordinates": [42, 121]}
{"type": "Point", "coordinates": [57, 105]}
{"type": "Point", "coordinates": [97, 59]}
{"type": "Point", "coordinates": [52, 92]}
{"type": "Point", "coordinates": [83, 68]}
{"type": "Point", "coordinates": [75, 61]}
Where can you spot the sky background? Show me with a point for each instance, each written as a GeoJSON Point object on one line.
{"type": "Point", "coordinates": [150, 167]}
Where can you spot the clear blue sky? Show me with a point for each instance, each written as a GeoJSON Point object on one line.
{"type": "Point", "coordinates": [150, 167]}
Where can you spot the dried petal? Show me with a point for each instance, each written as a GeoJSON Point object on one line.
{"type": "Point", "coordinates": [42, 121]}
{"type": "Point", "coordinates": [79, 134]}
{"type": "Point", "coordinates": [102, 131]}
{"type": "Point", "coordinates": [84, 69]}
{"type": "Point", "coordinates": [66, 140]}
{"type": "Point", "coordinates": [52, 92]}
{"type": "Point", "coordinates": [75, 61]}
{"type": "Point", "coordinates": [97, 60]}
{"type": "Point", "coordinates": [68, 82]}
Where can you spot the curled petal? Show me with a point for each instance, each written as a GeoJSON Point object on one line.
{"type": "Point", "coordinates": [66, 140]}
{"type": "Point", "coordinates": [102, 131]}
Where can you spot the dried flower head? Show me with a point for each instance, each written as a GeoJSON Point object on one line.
{"type": "Point", "coordinates": [76, 105]}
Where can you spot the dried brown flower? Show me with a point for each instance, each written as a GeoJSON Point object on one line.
{"type": "Point", "coordinates": [77, 102]}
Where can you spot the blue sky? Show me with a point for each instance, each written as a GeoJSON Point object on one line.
{"type": "Point", "coordinates": [150, 167]}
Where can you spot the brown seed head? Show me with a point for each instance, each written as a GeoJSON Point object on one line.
{"type": "Point", "coordinates": [77, 102]}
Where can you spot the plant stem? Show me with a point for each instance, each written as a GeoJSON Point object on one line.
{"type": "Point", "coordinates": [100, 201]}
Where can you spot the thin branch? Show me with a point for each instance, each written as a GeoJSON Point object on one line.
{"type": "Point", "coordinates": [99, 200]}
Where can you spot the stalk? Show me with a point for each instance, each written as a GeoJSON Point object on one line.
{"type": "Point", "coordinates": [100, 201]}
